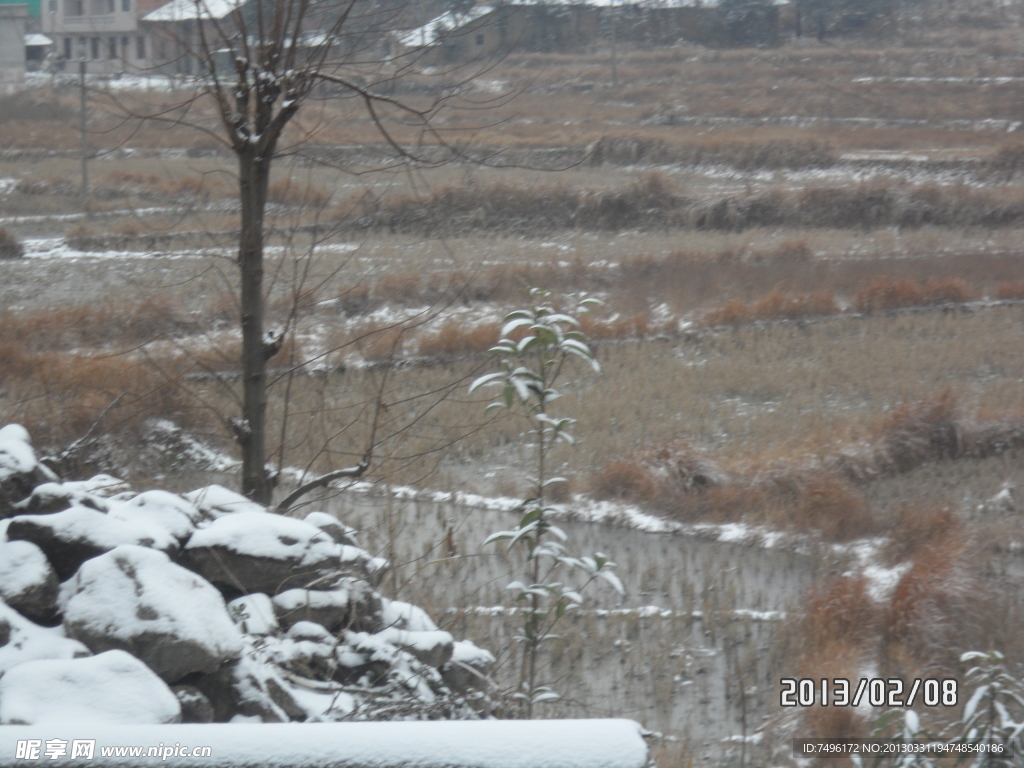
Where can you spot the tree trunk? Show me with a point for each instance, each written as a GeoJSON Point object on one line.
{"type": "Point", "coordinates": [254, 174]}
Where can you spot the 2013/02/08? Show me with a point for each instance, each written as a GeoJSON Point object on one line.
{"type": "Point", "coordinates": [876, 691]}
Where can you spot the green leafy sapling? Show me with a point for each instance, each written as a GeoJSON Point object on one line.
{"type": "Point", "coordinates": [535, 347]}
{"type": "Point", "coordinates": [993, 716]}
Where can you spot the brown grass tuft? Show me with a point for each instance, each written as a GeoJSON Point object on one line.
{"type": "Point", "coordinates": [455, 339]}
{"type": "Point", "coordinates": [1007, 291]}
{"type": "Point", "coordinates": [932, 612]}
{"type": "Point", "coordinates": [884, 293]}
{"type": "Point", "coordinates": [919, 527]}
{"type": "Point", "coordinates": [830, 506]}
{"type": "Point", "coordinates": [925, 430]}
{"type": "Point", "coordinates": [777, 305]}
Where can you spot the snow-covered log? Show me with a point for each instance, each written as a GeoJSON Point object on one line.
{"type": "Point", "coordinates": [449, 744]}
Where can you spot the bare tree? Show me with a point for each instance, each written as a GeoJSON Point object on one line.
{"type": "Point", "coordinates": [259, 63]}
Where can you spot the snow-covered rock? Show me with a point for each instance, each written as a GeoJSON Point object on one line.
{"type": "Point", "coordinates": [252, 688]}
{"type": "Point", "coordinates": [71, 537]}
{"type": "Point", "coordinates": [22, 641]}
{"type": "Point", "coordinates": [103, 485]}
{"type": "Point", "coordinates": [27, 580]}
{"type": "Point", "coordinates": [195, 707]}
{"type": "Point", "coordinates": [333, 527]}
{"type": "Point", "coordinates": [469, 667]}
{"type": "Point", "coordinates": [217, 501]}
{"type": "Point", "coordinates": [262, 552]}
{"type": "Point", "coordinates": [176, 515]}
{"type": "Point", "coordinates": [56, 497]}
{"type": "Point", "coordinates": [306, 637]}
{"type": "Point", "coordinates": [113, 687]}
{"type": "Point", "coordinates": [307, 651]}
{"type": "Point", "coordinates": [307, 630]}
{"type": "Point", "coordinates": [254, 614]}
{"type": "Point", "coordinates": [137, 600]}
{"type": "Point", "coordinates": [330, 609]}
{"type": "Point", "coordinates": [19, 471]}
{"type": "Point", "coordinates": [433, 648]}
{"type": "Point", "coordinates": [395, 613]}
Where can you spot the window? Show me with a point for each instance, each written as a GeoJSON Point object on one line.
{"type": "Point", "coordinates": [94, 48]}
{"type": "Point", "coordinates": [125, 49]}
{"type": "Point", "coordinates": [52, 6]}
{"type": "Point", "coordinates": [126, 6]}
{"type": "Point", "coordinates": [74, 8]}
{"type": "Point", "coordinates": [479, 39]}
{"type": "Point", "coordinates": [112, 48]}
{"type": "Point", "coordinates": [81, 47]}
{"type": "Point", "coordinates": [140, 47]}
{"type": "Point", "coordinates": [163, 49]}
{"type": "Point", "coordinates": [68, 52]}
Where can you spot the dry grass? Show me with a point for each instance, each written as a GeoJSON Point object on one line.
{"type": "Point", "coordinates": [935, 610]}
{"type": "Point", "coordinates": [885, 292]}
{"type": "Point", "coordinates": [652, 203]}
{"type": "Point", "coordinates": [777, 305]}
{"type": "Point", "coordinates": [454, 339]}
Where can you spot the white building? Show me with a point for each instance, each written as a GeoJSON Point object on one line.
{"type": "Point", "coordinates": [12, 45]}
{"type": "Point", "coordinates": [103, 32]}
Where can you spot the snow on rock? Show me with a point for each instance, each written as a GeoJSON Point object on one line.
{"type": "Point", "coordinates": [262, 552]}
{"type": "Point", "coordinates": [327, 647]}
{"type": "Point", "coordinates": [329, 608]}
{"type": "Point", "coordinates": [176, 515]}
{"type": "Point", "coordinates": [135, 599]}
{"type": "Point", "coordinates": [474, 744]}
{"type": "Point", "coordinates": [71, 537]}
{"type": "Point", "coordinates": [113, 687]}
{"type": "Point", "coordinates": [433, 648]}
{"type": "Point", "coordinates": [22, 641]}
{"type": "Point", "coordinates": [56, 497]}
{"type": "Point", "coordinates": [333, 527]}
{"type": "Point", "coordinates": [104, 486]}
{"type": "Point", "coordinates": [216, 501]}
{"type": "Point", "coordinates": [395, 613]}
{"type": "Point", "coordinates": [27, 580]}
{"type": "Point", "coordinates": [468, 668]}
{"type": "Point", "coordinates": [251, 687]}
{"type": "Point", "coordinates": [195, 707]}
{"type": "Point", "coordinates": [254, 614]}
{"type": "Point", "coordinates": [19, 472]}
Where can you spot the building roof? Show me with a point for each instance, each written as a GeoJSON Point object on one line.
{"type": "Point", "coordinates": [437, 27]}
{"type": "Point", "coordinates": [184, 10]}
{"type": "Point", "coordinates": [37, 39]}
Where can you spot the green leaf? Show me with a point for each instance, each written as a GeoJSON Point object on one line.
{"type": "Point", "coordinates": [483, 381]}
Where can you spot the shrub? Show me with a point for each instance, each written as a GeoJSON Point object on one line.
{"type": "Point", "coordinates": [916, 527]}
{"type": "Point", "coordinates": [885, 292]}
{"type": "Point", "coordinates": [1009, 291]}
{"type": "Point", "coordinates": [916, 432]}
{"type": "Point", "coordinates": [833, 508]}
{"type": "Point", "coordinates": [454, 339]}
{"type": "Point", "coordinates": [933, 609]}
{"type": "Point", "coordinates": [777, 305]}
{"type": "Point", "coordinates": [626, 479]}
{"type": "Point", "coordinates": [10, 247]}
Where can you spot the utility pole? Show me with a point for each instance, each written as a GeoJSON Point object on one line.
{"type": "Point", "coordinates": [615, 73]}
{"type": "Point", "coordinates": [83, 135]}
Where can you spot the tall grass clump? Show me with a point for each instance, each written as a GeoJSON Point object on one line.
{"type": "Point", "coordinates": [10, 246]}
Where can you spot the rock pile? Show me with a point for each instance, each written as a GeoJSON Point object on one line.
{"type": "Point", "coordinates": [157, 608]}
